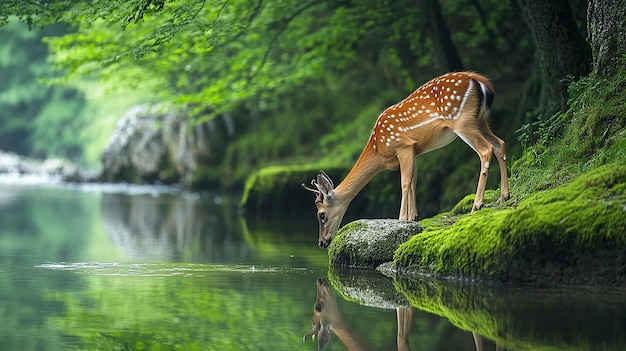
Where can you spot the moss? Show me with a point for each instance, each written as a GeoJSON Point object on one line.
{"type": "Point", "coordinates": [338, 253]}
{"type": "Point", "coordinates": [574, 233]}
{"type": "Point", "coordinates": [277, 189]}
{"type": "Point", "coordinates": [465, 205]}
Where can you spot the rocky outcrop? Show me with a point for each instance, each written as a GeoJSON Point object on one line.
{"type": "Point", "coordinates": [152, 144]}
{"type": "Point", "coordinates": [49, 170]}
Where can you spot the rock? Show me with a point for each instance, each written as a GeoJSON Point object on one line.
{"type": "Point", "coordinates": [136, 151]}
{"type": "Point", "coordinates": [368, 288]}
{"type": "Point", "coordinates": [152, 144]}
{"type": "Point", "coordinates": [44, 170]}
{"type": "Point", "coordinates": [367, 243]}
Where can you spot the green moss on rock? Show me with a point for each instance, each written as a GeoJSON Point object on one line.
{"type": "Point", "coordinates": [573, 234]}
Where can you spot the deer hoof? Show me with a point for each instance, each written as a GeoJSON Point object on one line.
{"type": "Point", "coordinates": [476, 207]}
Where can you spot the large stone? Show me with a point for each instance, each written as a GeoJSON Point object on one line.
{"type": "Point", "coordinates": [367, 243]}
{"type": "Point", "coordinates": [152, 144]}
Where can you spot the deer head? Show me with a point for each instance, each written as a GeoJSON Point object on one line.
{"type": "Point", "coordinates": [324, 311]}
{"type": "Point", "coordinates": [330, 210]}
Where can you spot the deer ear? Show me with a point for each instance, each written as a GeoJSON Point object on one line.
{"type": "Point", "coordinates": [323, 337]}
{"type": "Point", "coordinates": [325, 185]}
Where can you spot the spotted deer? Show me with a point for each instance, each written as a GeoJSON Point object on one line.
{"type": "Point", "coordinates": [454, 104]}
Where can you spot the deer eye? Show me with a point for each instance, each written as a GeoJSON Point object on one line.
{"type": "Point", "coordinates": [318, 307]}
{"type": "Point", "coordinates": [322, 216]}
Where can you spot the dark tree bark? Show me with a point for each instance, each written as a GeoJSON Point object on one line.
{"type": "Point", "coordinates": [606, 25]}
{"type": "Point", "coordinates": [444, 49]}
{"type": "Point", "coordinates": [560, 48]}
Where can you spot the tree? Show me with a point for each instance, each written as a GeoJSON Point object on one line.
{"type": "Point", "coordinates": [35, 119]}
{"type": "Point", "coordinates": [444, 48]}
{"type": "Point", "coordinates": [606, 23]}
{"type": "Point", "coordinates": [560, 49]}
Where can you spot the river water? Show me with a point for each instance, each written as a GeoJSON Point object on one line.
{"type": "Point", "coordinates": [141, 268]}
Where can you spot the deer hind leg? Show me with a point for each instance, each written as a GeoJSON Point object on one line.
{"type": "Point", "coordinates": [477, 141]}
{"type": "Point", "coordinates": [408, 178]}
{"type": "Point", "coordinates": [499, 151]}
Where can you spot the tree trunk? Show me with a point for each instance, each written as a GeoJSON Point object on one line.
{"type": "Point", "coordinates": [606, 25]}
{"type": "Point", "coordinates": [560, 48]}
{"type": "Point", "coordinates": [445, 52]}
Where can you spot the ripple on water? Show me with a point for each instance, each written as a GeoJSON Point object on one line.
{"type": "Point", "coordinates": [159, 269]}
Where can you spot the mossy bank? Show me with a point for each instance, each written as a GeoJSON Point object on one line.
{"type": "Point", "coordinates": [572, 234]}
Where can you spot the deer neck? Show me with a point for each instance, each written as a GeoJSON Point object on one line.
{"type": "Point", "coordinates": [347, 335]}
{"type": "Point", "coordinates": [366, 167]}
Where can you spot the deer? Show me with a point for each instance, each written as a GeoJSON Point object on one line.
{"type": "Point", "coordinates": [326, 317]}
{"type": "Point", "coordinates": [451, 105]}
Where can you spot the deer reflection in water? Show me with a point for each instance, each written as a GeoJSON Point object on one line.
{"type": "Point", "coordinates": [326, 317]}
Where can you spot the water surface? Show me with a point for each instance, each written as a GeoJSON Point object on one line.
{"type": "Point", "coordinates": [110, 268]}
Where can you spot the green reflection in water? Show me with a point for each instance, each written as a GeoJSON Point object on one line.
{"type": "Point", "coordinates": [186, 307]}
{"type": "Point", "coordinates": [526, 318]}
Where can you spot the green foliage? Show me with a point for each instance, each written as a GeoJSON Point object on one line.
{"type": "Point", "coordinates": [36, 119]}
{"type": "Point", "coordinates": [591, 135]}
{"type": "Point", "coordinates": [304, 81]}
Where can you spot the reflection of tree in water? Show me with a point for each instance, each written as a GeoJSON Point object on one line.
{"type": "Point", "coordinates": [172, 228]}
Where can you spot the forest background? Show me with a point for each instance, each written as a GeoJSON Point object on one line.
{"type": "Point", "coordinates": [303, 81]}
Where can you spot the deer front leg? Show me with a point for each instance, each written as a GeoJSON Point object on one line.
{"type": "Point", "coordinates": [404, 316]}
{"type": "Point", "coordinates": [482, 183]}
{"type": "Point", "coordinates": [478, 341]}
{"type": "Point", "coordinates": [408, 178]}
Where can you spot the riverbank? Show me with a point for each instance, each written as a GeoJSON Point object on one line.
{"type": "Point", "coordinates": [16, 168]}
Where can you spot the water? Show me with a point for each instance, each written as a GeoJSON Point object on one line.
{"type": "Point", "coordinates": [110, 268]}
